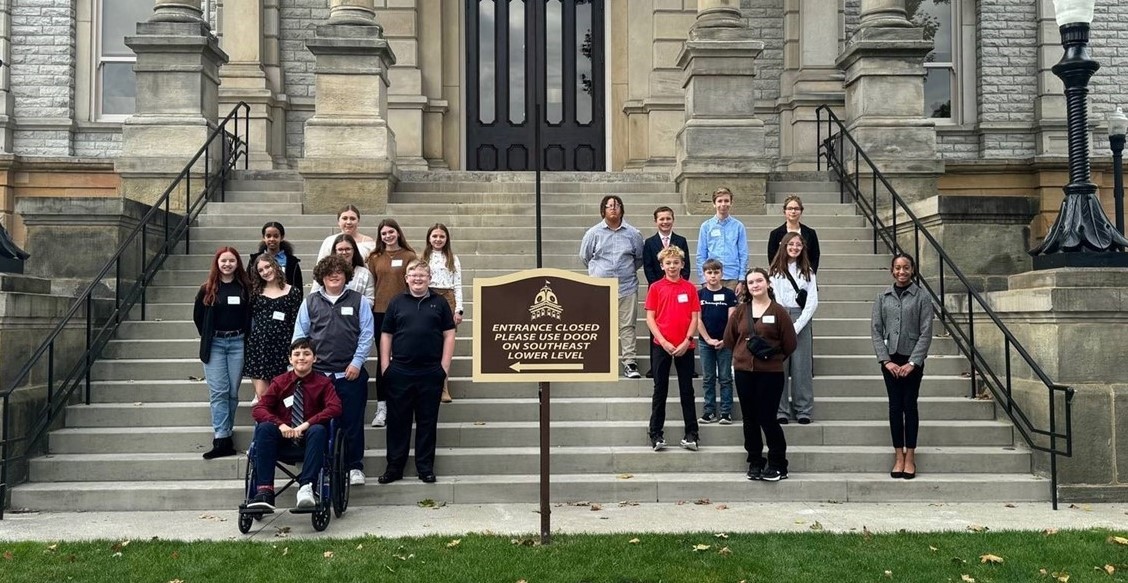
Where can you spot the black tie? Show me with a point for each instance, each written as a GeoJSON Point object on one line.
{"type": "Point", "coordinates": [297, 412]}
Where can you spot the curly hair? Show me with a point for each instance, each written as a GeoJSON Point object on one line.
{"type": "Point", "coordinates": [329, 265]}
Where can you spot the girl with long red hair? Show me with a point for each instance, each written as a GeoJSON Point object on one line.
{"type": "Point", "coordinates": [222, 314]}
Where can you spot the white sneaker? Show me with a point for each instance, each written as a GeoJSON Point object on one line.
{"type": "Point", "coordinates": [356, 478]}
{"type": "Point", "coordinates": [305, 495]}
{"type": "Point", "coordinates": [381, 417]}
{"type": "Point", "coordinates": [254, 401]}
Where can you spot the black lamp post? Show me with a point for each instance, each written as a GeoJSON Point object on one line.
{"type": "Point", "coordinates": [1117, 128]}
{"type": "Point", "coordinates": [1082, 235]}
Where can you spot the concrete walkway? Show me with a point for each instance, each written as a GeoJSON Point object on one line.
{"type": "Point", "coordinates": [523, 519]}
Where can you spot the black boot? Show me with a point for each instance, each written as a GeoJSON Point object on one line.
{"type": "Point", "coordinates": [221, 447]}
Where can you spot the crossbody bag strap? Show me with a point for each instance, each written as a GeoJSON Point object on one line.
{"type": "Point", "coordinates": [787, 272]}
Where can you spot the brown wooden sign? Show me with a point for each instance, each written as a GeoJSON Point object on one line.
{"type": "Point", "coordinates": [546, 325]}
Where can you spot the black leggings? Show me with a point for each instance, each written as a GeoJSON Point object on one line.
{"type": "Point", "coordinates": [904, 420]}
{"type": "Point", "coordinates": [759, 394]}
{"type": "Point", "coordinates": [377, 323]}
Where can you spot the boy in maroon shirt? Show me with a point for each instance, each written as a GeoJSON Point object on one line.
{"type": "Point", "coordinates": [293, 418]}
{"type": "Point", "coordinates": [672, 312]}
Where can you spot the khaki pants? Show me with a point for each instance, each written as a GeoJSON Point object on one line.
{"type": "Point", "coordinates": [628, 316]}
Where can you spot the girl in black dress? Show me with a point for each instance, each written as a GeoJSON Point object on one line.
{"type": "Point", "coordinates": [274, 309]}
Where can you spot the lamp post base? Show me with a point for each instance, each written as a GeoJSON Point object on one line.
{"type": "Point", "coordinates": [1079, 259]}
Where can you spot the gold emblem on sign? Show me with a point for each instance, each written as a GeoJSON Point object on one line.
{"type": "Point", "coordinates": [545, 305]}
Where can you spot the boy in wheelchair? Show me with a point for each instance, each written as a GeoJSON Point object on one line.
{"type": "Point", "coordinates": [293, 420]}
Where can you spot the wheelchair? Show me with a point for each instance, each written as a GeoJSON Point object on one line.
{"type": "Point", "coordinates": [331, 484]}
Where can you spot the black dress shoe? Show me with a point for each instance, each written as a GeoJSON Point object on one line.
{"type": "Point", "coordinates": [782, 420]}
{"type": "Point", "coordinates": [908, 475]}
{"type": "Point", "coordinates": [388, 478]}
{"type": "Point", "coordinates": [897, 475]}
{"type": "Point", "coordinates": [428, 478]}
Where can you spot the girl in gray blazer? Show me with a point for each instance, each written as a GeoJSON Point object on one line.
{"type": "Point", "coordinates": [901, 329]}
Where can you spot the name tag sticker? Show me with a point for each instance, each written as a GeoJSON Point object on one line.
{"type": "Point", "coordinates": [346, 310]}
{"type": "Point", "coordinates": [288, 401]}
{"type": "Point", "coordinates": [683, 298]}
{"type": "Point", "coordinates": [280, 316]}
{"type": "Point", "coordinates": [715, 233]}
{"type": "Point", "coordinates": [718, 297]}
{"type": "Point", "coordinates": [234, 300]}
{"type": "Point", "coordinates": [769, 319]}
{"type": "Point", "coordinates": [397, 263]}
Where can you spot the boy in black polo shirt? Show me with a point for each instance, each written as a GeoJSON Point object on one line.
{"type": "Point", "coordinates": [416, 348]}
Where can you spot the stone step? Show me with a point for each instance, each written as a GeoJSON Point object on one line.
{"type": "Point", "coordinates": [815, 209]}
{"type": "Point", "coordinates": [263, 209]}
{"type": "Point", "coordinates": [261, 196]}
{"type": "Point", "coordinates": [608, 488]}
{"type": "Point", "coordinates": [800, 187]}
{"type": "Point", "coordinates": [524, 460]}
{"type": "Point", "coordinates": [188, 391]}
{"type": "Point", "coordinates": [456, 221]}
{"type": "Point", "coordinates": [639, 203]}
{"type": "Point", "coordinates": [523, 409]}
{"type": "Point", "coordinates": [188, 346]}
{"type": "Point", "coordinates": [808, 197]}
{"type": "Point", "coordinates": [175, 440]}
{"type": "Point", "coordinates": [261, 185]}
{"type": "Point", "coordinates": [405, 190]}
{"type": "Point", "coordinates": [211, 236]}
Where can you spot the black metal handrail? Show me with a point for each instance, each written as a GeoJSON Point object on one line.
{"type": "Point", "coordinates": [156, 221]}
{"type": "Point", "coordinates": [833, 149]}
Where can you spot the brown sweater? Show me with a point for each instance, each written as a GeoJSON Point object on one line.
{"type": "Point", "coordinates": [781, 333]}
{"type": "Point", "coordinates": [389, 281]}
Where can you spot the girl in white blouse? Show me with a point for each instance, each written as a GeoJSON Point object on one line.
{"type": "Point", "coordinates": [793, 279]}
{"type": "Point", "coordinates": [446, 276]}
{"type": "Point", "coordinates": [361, 282]}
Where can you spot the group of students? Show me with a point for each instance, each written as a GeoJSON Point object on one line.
{"type": "Point", "coordinates": [752, 327]}
{"type": "Point", "coordinates": [367, 293]}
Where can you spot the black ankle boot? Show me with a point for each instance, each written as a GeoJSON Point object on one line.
{"type": "Point", "coordinates": [221, 447]}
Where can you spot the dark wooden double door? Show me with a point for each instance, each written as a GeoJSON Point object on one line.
{"type": "Point", "coordinates": [521, 53]}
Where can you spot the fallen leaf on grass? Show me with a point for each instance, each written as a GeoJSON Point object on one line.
{"type": "Point", "coordinates": [725, 551]}
{"type": "Point", "coordinates": [977, 528]}
{"type": "Point", "coordinates": [866, 533]}
{"type": "Point", "coordinates": [175, 555]}
{"type": "Point", "coordinates": [285, 551]}
{"type": "Point", "coordinates": [625, 476]}
{"type": "Point", "coordinates": [699, 548]}
{"type": "Point", "coordinates": [117, 555]}
{"type": "Point", "coordinates": [1049, 531]}
{"type": "Point", "coordinates": [989, 558]}
{"type": "Point", "coordinates": [1062, 577]}
{"type": "Point", "coordinates": [1118, 540]}
{"type": "Point", "coordinates": [702, 502]}
{"type": "Point", "coordinates": [454, 543]}
{"type": "Point", "coordinates": [8, 556]}
{"type": "Point", "coordinates": [524, 542]}
{"type": "Point", "coordinates": [967, 578]}
{"type": "Point", "coordinates": [596, 507]}
{"type": "Point", "coordinates": [52, 547]}
{"type": "Point", "coordinates": [816, 526]}
{"type": "Point", "coordinates": [176, 581]}
{"type": "Point", "coordinates": [932, 548]}
{"type": "Point", "coordinates": [1107, 569]}
{"type": "Point", "coordinates": [721, 507]}
{"type": "Point", "coordinates": [889, 574]}
{"type": "Point", "coordinates": [521, 581]}
{"type": "Point", "coordinates": [360, 547]}
{"type": "Point", "coordinates": [721, 535]}
{"type": "Point", "coordinates": [327, 554]}
{"type": "Point", "coordinates": [634, 541]}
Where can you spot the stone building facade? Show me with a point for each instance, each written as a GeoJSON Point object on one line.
{"type": "Point", "coordinates": [66, 86]}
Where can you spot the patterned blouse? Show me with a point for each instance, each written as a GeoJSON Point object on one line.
{"type": "Point", "coordinates": [443, 278]}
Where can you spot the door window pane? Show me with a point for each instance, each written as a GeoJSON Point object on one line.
{"type": "Point", "coordinates": [584, 83]}
{"type": "Point", "coordinates": [119, 89]}
{"type": "Point", "coordinates": [517, 61]}
{"type": "Point", "coordinates": [554, 61]}
{"type": "Point", "coordinates": [487, 108]}
{"type": "Point", "coordinates": [938, 92]}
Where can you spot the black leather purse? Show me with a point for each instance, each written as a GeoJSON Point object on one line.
{"type": "Point", "coordinates": [760, 348]}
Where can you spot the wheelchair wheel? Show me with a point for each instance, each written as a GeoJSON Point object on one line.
{"type": "Point", "coordinates": [339, 476]}
{"type": "Point", "coordinates": [321, 519]}
{"type": "Point", "coordinates": [245, 521]}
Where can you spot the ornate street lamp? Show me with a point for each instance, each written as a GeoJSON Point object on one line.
{"type": "Point", "coordinates": [1082, 235]}
{"type": "Point", "coordinates": [1117, 127]}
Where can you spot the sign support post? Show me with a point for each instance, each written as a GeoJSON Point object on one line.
{"type": "Point", "coordinates": [545, 503]}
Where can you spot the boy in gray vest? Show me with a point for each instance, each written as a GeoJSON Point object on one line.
{"type": "Point", "coordinates": [339, 322]}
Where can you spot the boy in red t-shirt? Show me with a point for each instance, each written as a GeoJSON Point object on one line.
{"type": "Point", "coordinates": [672, 312]}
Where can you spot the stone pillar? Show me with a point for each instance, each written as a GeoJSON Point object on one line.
{"type": "Point", "coordinates": [245, 27]}
{"type": "Point", "coordinates": [721, 142]}
{"type": "Point", "coordinates": [1072, 321]}
{"type": "Point", "coordinates": [7, 101]}
{"type": "Point", "coordinates": [809, 79]}
{"type": "Point", "coordinates": [884, 64]}
{"type": "Point", "coordinates": [177, 73]}
{"type": "Point", "coordinates": [402, 24]}
{"type": "Point", "coordinates": [1049, 105]}
{"type": "Point", "coordinates": [350, 151]}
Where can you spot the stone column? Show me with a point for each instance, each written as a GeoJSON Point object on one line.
{"type": "Point", "coordinates": [813, 31]}
{"type": "Point", "coordinates": [7, 101]}
{"type": "Point", "coordinates": [403, 27]}
{"type": "Point", "coordinates": [177, 73]}
{"type": "Point", "coordinates": [884, 64]}
{"type": "Point", "coordinates": [721, 142]}
{"type": "Point", "coordinates": [1072, 321]}
{"type": "Point", "coordinates": [1049, 105]}
{"type": "Point", "coordinates": [350, 151]}
{"type": "Point", "coordinates": [245, 26]}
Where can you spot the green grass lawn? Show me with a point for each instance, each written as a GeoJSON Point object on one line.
{"type": "Point", "coordinates": [1059, 557]}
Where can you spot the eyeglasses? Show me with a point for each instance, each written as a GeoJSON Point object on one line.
{"type": "Point", "coordinates": [793, 208]}
{"type": "Point", "coordinates": [612, 205]}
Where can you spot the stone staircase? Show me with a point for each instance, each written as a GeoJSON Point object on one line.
{"type": "Point", "coordinates": [137, 447]}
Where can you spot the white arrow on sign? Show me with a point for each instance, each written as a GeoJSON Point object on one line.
{"type": "Point", "coordinates": [517, 366]}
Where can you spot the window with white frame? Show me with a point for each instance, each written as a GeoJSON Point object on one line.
{"type": "Point", "coordinates": [115, 90]}
{"type": "Point", "coordinates": [939, 20]}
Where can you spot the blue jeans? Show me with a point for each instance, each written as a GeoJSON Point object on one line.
{"type": "Point", "coordinates": [270, 446]}
{"type": "Point", "coordinates": [224, 372]}
{"type": "Point", "coordinates": [716, 363]}
{"type": "Point", "coordinates": [354, 397]}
